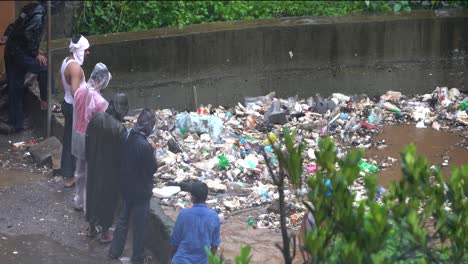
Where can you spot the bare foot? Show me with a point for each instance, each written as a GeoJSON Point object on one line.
{"type": "Point", "coordinates": [70, 182]}
{"type": "Point", "coordinates": [106, 237]}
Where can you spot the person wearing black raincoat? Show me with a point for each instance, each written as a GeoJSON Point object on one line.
{"type": "Point", "coordinates": [103, 149]}
{"type": "Point", "coordinates": [137, 170]}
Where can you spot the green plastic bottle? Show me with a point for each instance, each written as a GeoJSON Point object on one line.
{"type": "Point", "coordinates": [464, 105]}
{"type": "Point", "coordinates": [250, 222]}
{"type": "Point", "coordinates": [223, 162]}
{"type": "Point", "coordinates": [367, 167]}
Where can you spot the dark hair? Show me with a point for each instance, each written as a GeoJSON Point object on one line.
{"type": "Point", "coordinates": [199, 192]}
{"type": "Point", "coordinates": [118, 106]}
{"type": "Point", "coordinates": [145, 121]}
{"type": "Point", "coordinates": [76, 38]}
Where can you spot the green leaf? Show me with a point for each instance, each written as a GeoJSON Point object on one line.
{"type": "Point", "coordinates": [396, 7]}
{"type": "Point", "coordinates": [244, 257]}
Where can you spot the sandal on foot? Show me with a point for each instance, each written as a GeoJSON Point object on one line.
{"type": "Point", "coordinates": [91, 233]}
{"type": "Point", "coordinates": [105, 241]}
{"type": "Point", "coordinates": [69, 183]}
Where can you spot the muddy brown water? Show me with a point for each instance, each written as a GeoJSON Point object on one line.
{"type": "Point", "coordinates": [235, 233]}
{"type": "Point", "coordinates": [429, 142]}
{"type": "Point", "coordinates": [11, 177]}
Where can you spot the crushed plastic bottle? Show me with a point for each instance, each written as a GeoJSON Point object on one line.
{"type": "Point", "coordinates": [250, 222]}
{"type": "Point", "coordinates": [368, 167]}
{"type": "Point", "coordinates": [372, 118]}
{"type": "Point", "coordinates": [390, 107]}
{"type": "Point", "coordinates": [464, 105]}
{"type": "Point", "coordinates": [250, 122]}
{"type": "Point", "coordinates": [223, 162]}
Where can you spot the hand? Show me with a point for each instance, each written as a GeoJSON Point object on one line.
{"type": "Point", "coordinates": [3, 40]}
{"type": "Point", "coordinates": [154, 146]}
{"type": "Point", "coordinates": [42, 59]}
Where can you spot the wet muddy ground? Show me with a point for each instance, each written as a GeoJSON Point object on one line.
{"type": "Point", "coordinates": [37, 220]}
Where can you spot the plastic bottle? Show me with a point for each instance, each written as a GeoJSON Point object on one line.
{"type": "Point", "coordinates": [464, 105]}
{"type": "Point", "coordinates": [250, 222]}
{"type": "Point", "coordinates": [223, 162]}
{"type": "Point", "coordinates": [249, 122]}
{"type": "Point", "coordinates": [350, 124]}
{"type": "Point", "coordinates": [372, 117]}
{"type": "Point", "coordinates": [390, 107]}
{"type": "Point", "coordinates": [341, 97]}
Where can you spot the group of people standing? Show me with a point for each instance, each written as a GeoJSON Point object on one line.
{"type": "Point", "coordinates": [108, 157]}
{"type": "Point", "coordinates": [104, 162]}
{"type": "Point", "coordinates": [109, 166]}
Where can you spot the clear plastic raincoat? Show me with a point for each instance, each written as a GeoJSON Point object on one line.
{"type": "Point", "coordinates": [88, 101]}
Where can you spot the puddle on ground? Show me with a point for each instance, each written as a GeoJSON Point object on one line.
{"type": "Point", "coordinates": [14, 176]}
{"type": "Point", "coordinates": [41, 249]}
{"type": "Point", "coordinates": [429, 142]}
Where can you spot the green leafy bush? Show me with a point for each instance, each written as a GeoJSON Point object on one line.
{"type": "Point", "coordinates": [422, 218]}
{"type": "Point", "coordinates": [100, 17]}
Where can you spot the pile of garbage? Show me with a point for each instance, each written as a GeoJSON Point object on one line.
{"type": "Point", "coordinates": [223, 146]}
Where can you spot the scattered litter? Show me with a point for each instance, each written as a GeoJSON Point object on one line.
{"type": "Point", "coordinates": [224, 147]}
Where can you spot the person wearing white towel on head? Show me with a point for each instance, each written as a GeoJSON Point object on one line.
{"type": "Point", "coordinates": [73, 77]}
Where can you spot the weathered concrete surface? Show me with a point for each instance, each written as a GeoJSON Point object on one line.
{"type": "Point", "coordinates": [226, 61]}
{"type": "Point", "coordinates": [159, 229]}
{"type": "Point", "coordinates": [49, 150]}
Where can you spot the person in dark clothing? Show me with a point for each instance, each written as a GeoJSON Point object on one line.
{"type": "Point", "coordinates": [138, 168]}
{"type": "Point", "coordinates": [22, 55]}
{"type": "Point", "coordinates": [103, 147]}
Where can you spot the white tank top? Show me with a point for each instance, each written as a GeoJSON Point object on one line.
{"type": "Point", "coordinates": [67, 87]}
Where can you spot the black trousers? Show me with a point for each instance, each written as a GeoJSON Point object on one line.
{"type": "Point", "coordinates": [68, 162]}
{"type": "Point", "coordinates": [17, 66]}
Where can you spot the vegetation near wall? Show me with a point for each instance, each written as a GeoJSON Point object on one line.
{"type": "Point", "coordinates": [101, 17]}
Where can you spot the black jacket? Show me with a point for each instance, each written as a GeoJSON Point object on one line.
{"type": "Point", "coordinates": [25, 34]}
{"type": "Point", "coordinates": [138, 167]}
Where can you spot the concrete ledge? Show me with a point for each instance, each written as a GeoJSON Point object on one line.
{"type": "Point", "coordinates": [39, 117]}
{"type": "Point", "coordinates": [159, 230]}
{"type": "Point", "coordinates": [226, 61]}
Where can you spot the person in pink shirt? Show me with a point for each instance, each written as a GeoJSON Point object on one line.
{"type": "Point", "coordinates": [88, 101]}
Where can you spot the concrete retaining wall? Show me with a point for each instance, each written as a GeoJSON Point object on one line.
{"type": "Point", "coordinates": [227, 61]}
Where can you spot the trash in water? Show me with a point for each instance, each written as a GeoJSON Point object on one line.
{"type": "Point", "coordinates": [224, 147]}
{"type": "Point", "coordinates": [368, 167]}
